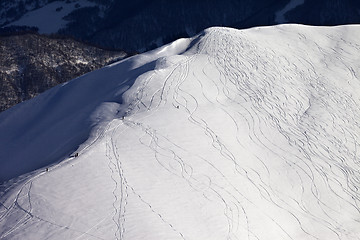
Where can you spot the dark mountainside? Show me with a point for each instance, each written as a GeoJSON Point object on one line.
{"type": "Point", "coordinates": [31, 64]}
{"type": "Point", "coordinates": [140, 25]}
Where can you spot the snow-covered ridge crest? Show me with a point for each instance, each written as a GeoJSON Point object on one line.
{"type": "Point", "coordinates": [250, 134]}
{"type": "Point", "coordinates": [65, 114]}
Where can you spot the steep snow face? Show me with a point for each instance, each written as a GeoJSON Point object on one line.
{"type": "Point", "coordinates": [230, 135]}
{"type": "Point", "coordinates": [65, 115]}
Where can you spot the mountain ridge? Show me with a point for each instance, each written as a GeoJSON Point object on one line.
{"type": "Point", "coordinates": [231, 134]}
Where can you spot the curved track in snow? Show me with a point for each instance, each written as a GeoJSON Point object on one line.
{"type": "Point", "coordinates": [249, 134]}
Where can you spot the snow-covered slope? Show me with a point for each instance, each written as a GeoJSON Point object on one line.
{"type": "Point", "coordinates": [232, 134]}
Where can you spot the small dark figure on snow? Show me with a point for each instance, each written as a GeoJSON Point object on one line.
{"type": "Point", "coordinates": [47, 169]}
{"type": "Point", "coordinates": [177, 106]}
{"type": "Point", "coordinates": [76, 154]}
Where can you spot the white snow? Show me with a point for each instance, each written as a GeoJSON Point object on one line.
{"type": "Point", "coordinates": [280, 15]}
{"type": "Point", "coordinates": [82, 61]}
{"type": "Point", "coordinates": [9, 69]}
{"type": "Point", "coordinates": [232, 134]}
{"type": "Point", "coordinates": [47, 19]}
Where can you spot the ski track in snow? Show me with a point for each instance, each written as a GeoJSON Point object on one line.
{"type": "Point", "coordinates": [236, 138]}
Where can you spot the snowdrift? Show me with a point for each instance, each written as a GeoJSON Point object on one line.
{"type": "Point", "coordinates": [250, 134]}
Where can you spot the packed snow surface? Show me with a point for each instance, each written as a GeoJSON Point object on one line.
{"type": "Point", "coordinates": [250, 134]}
